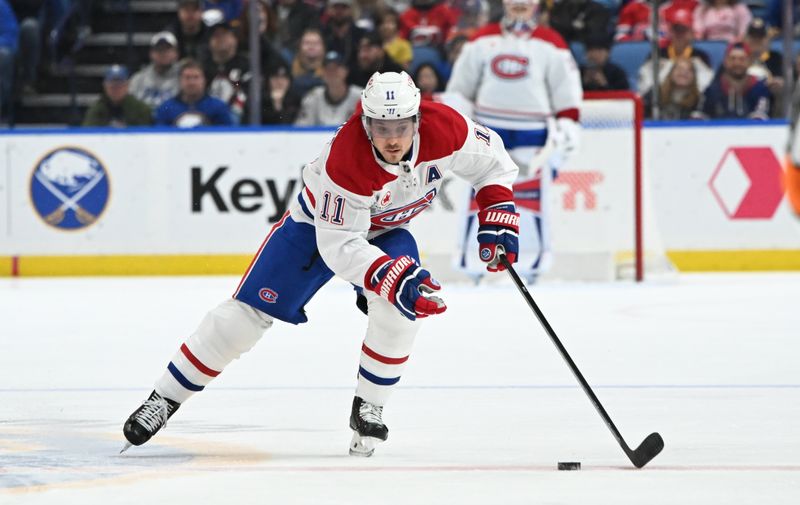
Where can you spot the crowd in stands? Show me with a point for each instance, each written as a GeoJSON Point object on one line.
{"type": "Point", "coordinates": [317, 55]}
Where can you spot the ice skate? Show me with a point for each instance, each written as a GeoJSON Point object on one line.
{"type": "Point", "coordinates": [148, 419]}
{"type": "Point", "coordinates": [368, 428]}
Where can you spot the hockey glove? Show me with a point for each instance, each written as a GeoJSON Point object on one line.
{"type": "Point", "coordinates": [567, 138]}
{"type": "Point", "coordinates": [406, 285]}
{"type": "Point", "coordinates": [498, 233]}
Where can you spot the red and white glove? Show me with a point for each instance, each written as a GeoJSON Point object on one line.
{"type": "Point", "coordinates": [407, 286]}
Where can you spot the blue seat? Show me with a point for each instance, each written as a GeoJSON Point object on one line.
{"type": "Point", "coordinates": [715, 49]}
{"type": "Point", "coordinates": [424, 54]}
{"type": "Point", "coordinates": [578, 52]}
{"type": "Point", "coordinates": [630, 56]}
{"type": "Point", "coordinates": [777, 45]}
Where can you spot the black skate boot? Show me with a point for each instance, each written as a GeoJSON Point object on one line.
{"type": "Point", "coordinates": [368, 428]}
{"type": "Point", "coordinates": [148, 419]}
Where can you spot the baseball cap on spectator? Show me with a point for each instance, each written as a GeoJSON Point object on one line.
{"type": "Point", "coordinates": [371, 39]}
{"type": "Point", "coordinates": [279, 69]}
{"type": "Point", "coordinates": [224, 25]}
{"type": "Point", "coordinates": [195, 3]}
{"type": "Point", "coordinates": [757, 28]}
{"type": "Point", "coordinates": [597, 41]}
{"type": "Point", "coordinates": [116, 73]}
{"type": "Point", "coordinates": [680, 19]}
{"type": "Point", "coordinates": [334, 57]}
{"type": "Point", "coordinates": [162, 39]}
{"type": "Point", "coordinates": [737, 45]}
{"type": "Point", "coordinates": [340, 2]}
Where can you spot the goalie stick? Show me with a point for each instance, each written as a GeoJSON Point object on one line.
{"type": "Point", "coordinates": [652, 445]}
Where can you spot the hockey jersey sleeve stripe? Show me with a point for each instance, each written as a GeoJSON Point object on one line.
{"type": "Point", "coordinates": [369, 282]}
{"type": "Point", "coordinates": [381, 358]}
{"type": "Point", "coordinates": [381, 381]}
{"type": "Point", "coordinates": [197, 363]}
{"type": "Point", "coordinates": [572, 114]}
{"type": "Point", "coordinates": [183, 381]}
{"type": "Point", "coordinates": [493, 195]}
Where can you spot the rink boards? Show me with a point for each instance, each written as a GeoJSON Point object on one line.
{"type": "Point", "coordinates": [177, 202]}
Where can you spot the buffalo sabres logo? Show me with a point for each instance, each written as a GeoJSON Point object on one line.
{"type": "Point", "coordinates": [395, 217]}
{"type": "Point", "coordinates": [69, 188]}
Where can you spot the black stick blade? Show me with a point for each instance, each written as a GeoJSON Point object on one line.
{"type": "Point", "coordinates": [647, 450]}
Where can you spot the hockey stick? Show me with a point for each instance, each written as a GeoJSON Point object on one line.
{"type": "Point", "coordinates": [652, 445]}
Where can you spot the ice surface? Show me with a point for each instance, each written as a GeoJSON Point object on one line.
{"type": "Point", "coordinates": [484, 412]}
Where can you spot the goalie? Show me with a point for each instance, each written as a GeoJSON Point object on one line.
{"type": "Point", "coordinates": [525, 85]}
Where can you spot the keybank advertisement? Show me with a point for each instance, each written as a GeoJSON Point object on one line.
{"type": "Point", "coordinates": [200, 193]}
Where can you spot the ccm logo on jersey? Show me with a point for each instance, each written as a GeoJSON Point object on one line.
{"type": "Point", "coordinates": [404, 214]}
{"type": "Point", "coordinates": [268, 295]}
{"type": "Point", "coordinates": [510, 66]}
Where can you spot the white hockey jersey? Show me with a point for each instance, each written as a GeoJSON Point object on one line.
{"type": "Point", "coordinates": [352, 196]}
{"type": "Point", "coordinates": [517, 82]}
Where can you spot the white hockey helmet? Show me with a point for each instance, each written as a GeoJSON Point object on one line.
{"type": "Point", "coordinates": [390, 96]}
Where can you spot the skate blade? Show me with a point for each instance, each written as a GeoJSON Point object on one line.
{"type": "Point", "coordinates": [128, 445]}
{"type": "Point", "coordinates": [363, 446]}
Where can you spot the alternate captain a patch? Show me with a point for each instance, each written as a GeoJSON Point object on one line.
{"type": "Point", "coordinates": [433, 174]}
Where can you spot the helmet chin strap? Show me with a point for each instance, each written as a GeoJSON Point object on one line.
{"type": "Point", "coordinates": [516, 25]}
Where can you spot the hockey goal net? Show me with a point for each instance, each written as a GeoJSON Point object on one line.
{"type": "Point", "coordinates": [603, 222]}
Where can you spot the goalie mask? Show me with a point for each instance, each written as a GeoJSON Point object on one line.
{"type": "Point", "coordinates": [520, 15]}
{"type": "Point", "coordinates": [390, 104]}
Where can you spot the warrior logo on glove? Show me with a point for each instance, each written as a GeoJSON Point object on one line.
{"type": "Point", "coordinates": [498, 233]}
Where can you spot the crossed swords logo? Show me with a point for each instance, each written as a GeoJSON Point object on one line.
{"type": "Point", "coordinates": [70, 202]}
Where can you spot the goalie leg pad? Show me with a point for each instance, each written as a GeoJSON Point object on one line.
{"type": "Point", "coordinates": [388, 343]}
{"type": "Point", "coordinates": [226, 332]}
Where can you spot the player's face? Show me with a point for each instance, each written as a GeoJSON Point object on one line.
{"type": "Point", "coordinates": [520, 10]}
{"type": "Point", "coordinates": [392, 138]}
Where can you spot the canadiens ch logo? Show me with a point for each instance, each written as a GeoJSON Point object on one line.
{"type": "Point", "coordinates": [69, 188]}
{"type": "Point", "coordinates": [268, 295]}
{"type": "Point", "coordinates": [510, 66]}
{"type": "Point", "coordinates": [404, 214]}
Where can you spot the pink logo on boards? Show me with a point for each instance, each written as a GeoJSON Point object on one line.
{"type": "Point", "coordinates": [747, 183]}
{"type": "Point", "coordinates": [510, 66]}
{"type": "Point", "coordinates": [268, 295]}
{"type": "Point", "coordinates": [580, 185]}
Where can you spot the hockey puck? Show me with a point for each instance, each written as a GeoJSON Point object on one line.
{"type": "Point", "coordinates": [569, 465]}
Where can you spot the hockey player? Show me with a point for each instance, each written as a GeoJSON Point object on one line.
{"type": "Point", "coordinates": [521, 77]}
{"type": "Point", "coordinates": [383, 167]}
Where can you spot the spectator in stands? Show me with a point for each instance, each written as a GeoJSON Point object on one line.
{"type": "Point", "coordinates": [335, 101]}
{"type": "Point", "coordinates": [428, 23]}
{"type": "Point", "coordinates": [340, 31]}
{"type": "Point", "coordinates": [294, 18]}
{"type": "Point", "coordinates": [428, 80]}
{"type": "Point", "coordinates": [599, 74]}
{"type": "Point", "coordinates": [634, 22]}
{"type": "Point", "coordinates": [190, 30]}
{"type": "Point", "coordinates": [193, 107]}
{"type": "Point", "coordinates": [724, 20]}
{"type": "Point", "coordinates": [9, 40]}
{"type": "Point", "coordinates": [229, 10]}
{"type": "Point", "coordinates": [268, 34]}
{"type": "Point", "coordinates": [371, 58]}
{"type": "Point", "coordinates": [678, 96]}
{"type": "Point", "coordinates": [452, 50]}
{"type": "Point", "coordinates": [307, 65]}
{"type": "Point", "coordinates": [398, 48]}
{"type": "Point", "coordinates": [734, 94]}
{"type": "Point", "coordinates": [31, 15]}
{"type": "Point", "coordinates": [765, 63]}
{"type": "Point", "coordinates": [281, 102]}
{"type": "Point", "coordinates": [578, 20]}
{"type": "Point", "coordinates": [227, 70]}
{"type": "Point", "coordinates": [679, 45]}
{"type": "Point", "coordinates": [116, 107]}
{"type": "Point", "coordinates": [158, 81]}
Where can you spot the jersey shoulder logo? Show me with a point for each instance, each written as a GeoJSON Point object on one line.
{"type": "Point", "coordinates": [69, 188]}
{"type": "Point", "coordinates": [510, 66]}
{"type": "Point", "coordinates": [268, 295]}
